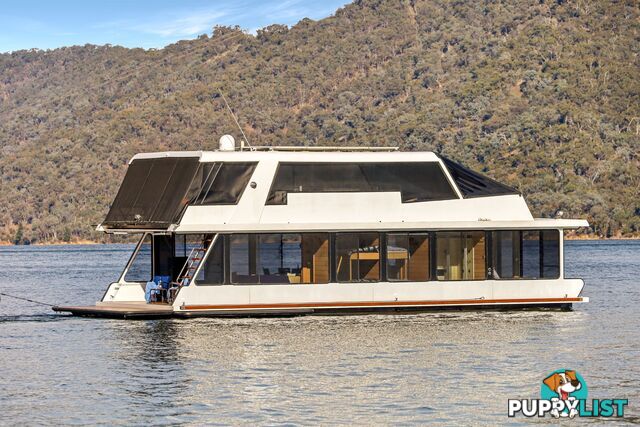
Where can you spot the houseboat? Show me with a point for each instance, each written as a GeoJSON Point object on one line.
{"type": "Point", "coordinates": [276, 231]}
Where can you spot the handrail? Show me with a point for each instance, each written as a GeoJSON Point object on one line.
{"type": "Point", "coordinates": [191, 259]}
{"type": "Point", "coordinates": [185, 266]}
{"type": "Point", "coordinates": [317, 148]}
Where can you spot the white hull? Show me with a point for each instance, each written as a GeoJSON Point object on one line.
{"type": "Point", "coordinates": [338, 297]}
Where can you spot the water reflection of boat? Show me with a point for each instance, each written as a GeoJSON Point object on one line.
{"type": "Point", "coordinates": [279, 232]}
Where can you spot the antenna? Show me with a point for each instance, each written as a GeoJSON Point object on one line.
{"type": "Point", "coordinates": [224, 98]}
{"type": "Point", "coordinates": [235, 119]}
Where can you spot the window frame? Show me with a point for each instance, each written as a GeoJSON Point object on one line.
{"type": "Point", "coordinates": [133, 256]}
{"type": "Point", "coordinates": [490, 262]}
{"type": "Point", "coordinates": [227, 258]}
{"type": "Point", "coordinates": [383, 239]}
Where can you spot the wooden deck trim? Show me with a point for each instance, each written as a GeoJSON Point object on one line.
{"type": "Point", "coordinates": [382, 304]}
{"type": "Point", "coordinates": [119, 310]}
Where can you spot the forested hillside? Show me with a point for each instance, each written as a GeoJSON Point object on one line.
{"type": "Point", "coordinates": [543, 95]}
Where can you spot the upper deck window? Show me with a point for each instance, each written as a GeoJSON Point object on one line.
{"type": "Point", "coordinates": [473, 184]}
{"type": "Point", "coordinates": [153, 194]}
{"type": "Point", "coordinates": [416, 181]}
{"type": "Point", "coordinates": [223, 183]}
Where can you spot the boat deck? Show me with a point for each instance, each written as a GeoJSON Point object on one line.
{"type": "Point", "coordinates": [128, 310]}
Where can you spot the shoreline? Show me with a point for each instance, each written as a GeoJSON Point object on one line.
{"type": "Point", "coordinates": [601, 238]}
{"type": "Point", "coordinates": [78, 243]}
{"type": "Point", "coordinates": [5, 243]}
{"type": "Point", "coordinates": [91, 242]}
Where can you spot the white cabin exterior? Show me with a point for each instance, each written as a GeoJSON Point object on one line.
{"type": "Point", "coordinates": [420, 232]}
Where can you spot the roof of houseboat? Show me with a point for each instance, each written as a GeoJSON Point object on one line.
{"type": "Point", "coordinates": [300, 155]}
{"type": "Point", "coordinates": [303, 188]}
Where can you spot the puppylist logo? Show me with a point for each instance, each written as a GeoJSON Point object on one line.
{"type": "Point", "coordinates": [563, 394]}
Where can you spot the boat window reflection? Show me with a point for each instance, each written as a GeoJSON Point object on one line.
{"type": "Point", "coordinates": [243, 258]}
{"type": "Point", "coordinates": [280, 258]}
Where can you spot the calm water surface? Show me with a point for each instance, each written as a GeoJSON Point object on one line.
{"type": "Point", "coordinates": [449, 368]}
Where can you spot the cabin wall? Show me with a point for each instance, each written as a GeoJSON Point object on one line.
{"type": "Point", "coordinates": [356, 208]}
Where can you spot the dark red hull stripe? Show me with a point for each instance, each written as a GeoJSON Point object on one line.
{"type": "Point", "coordinates": [382, 304]}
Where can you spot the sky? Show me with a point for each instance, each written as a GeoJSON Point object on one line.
{"type": "Point", "coordinates": [47, 24]}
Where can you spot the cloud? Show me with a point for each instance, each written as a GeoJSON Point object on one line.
{"type": "Point", "coordinates": [291, 11]}
{"type": "Point", "coordinates": [160, 27]}
{"type": "Point", "coordinates": [172, 24]}
{"type": "Point", "coordinates": [180, 26]}
{"type": "Point", "coordinates": [182, 23]}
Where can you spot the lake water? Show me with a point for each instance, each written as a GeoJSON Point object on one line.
{"type": "Point", "coordinates": [448, 367]}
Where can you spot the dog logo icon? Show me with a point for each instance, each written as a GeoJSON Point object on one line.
{"type": "Point", "coordinates": [565, 385]}
{"type": "Point", "coordinates": [563, 393]}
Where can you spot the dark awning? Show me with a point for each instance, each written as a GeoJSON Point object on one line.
{"type": "Point", "coordinates": [474, 184]}
{"type": "Point", "coordinates": [154, 193]}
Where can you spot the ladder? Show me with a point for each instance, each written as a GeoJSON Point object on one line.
{"type": "Point", "coordinates": [193, 262]}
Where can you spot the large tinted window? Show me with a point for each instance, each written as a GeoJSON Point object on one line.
{"type": "Point", "coordinates": [315, 258]}
{"type": "Point", "coordinates": [185, 243]}
{"type": "Point", "coordinates": [163, 249]}
{"type": "Point", "coordinates": [530, 254]}
{"type": "Point", "coordinates": [473, 184]}
{"type": "Point", "coordinates": [506, 254]}
{"type": "Point", "coordinates": [223, 183]}
{"type": "Point", "coordinates": [417, 182]}
{"type": "Point", "coordinates": [280, 258]}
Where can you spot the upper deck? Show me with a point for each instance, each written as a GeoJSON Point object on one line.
{"type": "Point", "coordinates": [224, 191]}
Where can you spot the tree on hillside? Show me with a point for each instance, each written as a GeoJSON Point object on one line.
{"type": "Point", "coordinates": [542, 95]}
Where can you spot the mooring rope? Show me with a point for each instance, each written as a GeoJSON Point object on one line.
{"type": "Point", "coordinates": [26, 299]}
